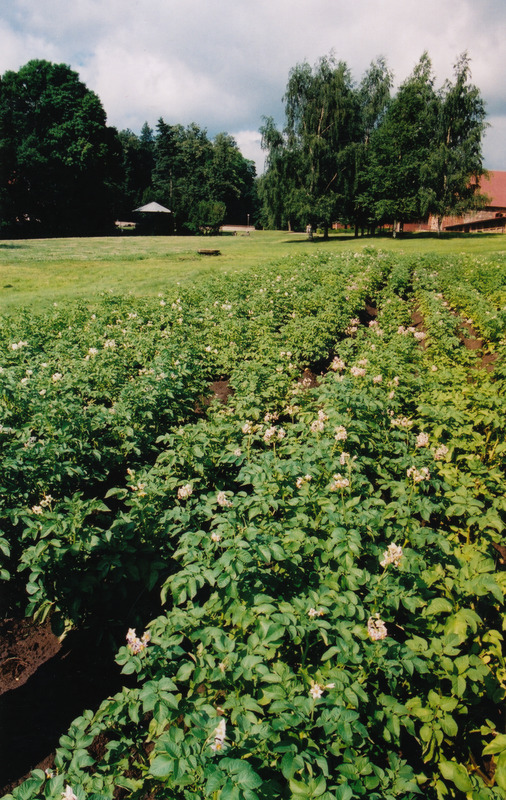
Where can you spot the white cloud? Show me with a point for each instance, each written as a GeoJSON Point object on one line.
{"type": "Point", "coordinates": [15, 46]}
{"type": "Point", "coordinates": [494, 144]}
{"type": "Point", "coordinates": [225, 63]}
{"type": "Point", "coordinates": [136, 85]}
{"type": "Point", "coordinates": [249, 143]}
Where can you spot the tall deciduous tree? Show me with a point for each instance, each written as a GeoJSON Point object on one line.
{"type": "Point", "coordinates": [322, 126]}
{"type": "Point", "coordinates": [455, 165]}
{"type": "Point", "coordinates": [374, 98]}
{"type": "Point", "coordinates": [276, 187]}
{"type": "Point", "coordinates": [61, 163]}
{"type": "Point", "coordinates": [401, 146]}
{"type": "Point", "coordinates": [317, 157]}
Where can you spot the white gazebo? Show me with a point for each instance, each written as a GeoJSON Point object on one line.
{"type": "Point", "coordinates": [155, 219]}
{"type": "Point", "coordinates": [153, 207]}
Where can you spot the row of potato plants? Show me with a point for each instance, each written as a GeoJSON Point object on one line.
{"type": "Point", "coordinates": [324, 549]}
{"type": "Point", "coordinates": [87, 392]}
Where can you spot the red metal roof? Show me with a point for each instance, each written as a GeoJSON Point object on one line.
{"type": "Point", "coordinates": [495, 188]}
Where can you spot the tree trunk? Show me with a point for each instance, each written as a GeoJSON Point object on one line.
{"type": "Point", "coordinates": [398, 228]}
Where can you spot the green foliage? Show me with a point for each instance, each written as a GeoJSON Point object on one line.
{"type": "Point", "coordinates": [203, 182]}
{"type": "Point", "coordinates": [63, 171]}
{"type": "Point", "coordinates": [356, 155]}
{"type": "Point", "coordinates": [138, 165]}
{"type": "Point", "coordinates": [323, 542]}
{"type": "Point", "coordinates": [400, 147]}
{"type": "Point", "coordinates": [60, 161]}
{"type": "Point", "coordinates": [315, 157]}
{"type": "Point", "coordinates": [451, 174]}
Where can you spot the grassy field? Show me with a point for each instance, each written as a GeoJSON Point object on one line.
{"type": "Point", "coordinates": [38, 272]}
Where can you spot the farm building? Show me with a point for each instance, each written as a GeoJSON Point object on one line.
{"type": "Point", "coordinates": [491, 218]}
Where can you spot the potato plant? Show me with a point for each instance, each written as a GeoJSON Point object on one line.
{"type": "Point", "coordinates": [325, 548]}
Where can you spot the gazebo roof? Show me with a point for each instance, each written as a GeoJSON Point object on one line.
{"type": "Point", "coordinates": [153, 207]}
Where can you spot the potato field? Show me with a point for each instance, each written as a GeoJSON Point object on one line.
{"type": "Point", "coordinates": [307, 462]}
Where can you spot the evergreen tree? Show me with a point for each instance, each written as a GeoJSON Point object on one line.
{"type": "Point", "coordinates": [203, 182]}
{"type": "Point", "coordinates": [180, 175]}
{"type": "Point", "coordinates": [138, 165]}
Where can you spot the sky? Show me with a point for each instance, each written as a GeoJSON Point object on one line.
{"type": "Point", "coordinates": [224, 64]}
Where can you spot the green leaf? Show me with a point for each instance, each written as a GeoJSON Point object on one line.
{"type": "Point", "coordinates": [449, 726]}
{"type": "Point", "coordinates": [497, 745]}
{"type": "Point", "coordinates": [500, 771]}
{"type": "Point", "coordinates": [247, 777]}
{"type": "Point", "coordinates": [456, 773]}
{"type": "Point", "coordinates": [81, 759]}
{"type": "Point", "coordinates": [184, 671]}
{"type": "Point", "coordinates": [314, 788]}
{"type": "Point", "coordinates": [299, 789]}
{"type": "Point", "coordinates": [344, 792]}
{"type": "Point", "coordinates": [28, 789]}
{"type": "Point", "coordinates": [162, 766]}
{"type": "Point", "coordinates": [230, 791]}
{"type": "Point", "coordinates": [461, 621]}
{"type": "Point", "coordinates": [290, 764]}
{"type": "Point", "coordinates": [440, 605]}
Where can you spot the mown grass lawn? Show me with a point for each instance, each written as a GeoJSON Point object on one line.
{"type": "Point", "coordinates": [39, 272]}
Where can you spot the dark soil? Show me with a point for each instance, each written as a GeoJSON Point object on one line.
{"type": "Point", "coordinates": [54, 683]}
{"type": "Point", "coordinates": [418, 322]}
{"type": "Point", "coordinates": [308, 379]}
{"type": "Point", "coordinates": [471, 340]}
{"type": "Point", "coordinates": [25, 647]}
{"type": "Point", "coordinates": [221, 390]}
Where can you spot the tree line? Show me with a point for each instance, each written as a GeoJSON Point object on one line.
{"type": "Point", "coordinates": [64, 171]}
{"type": "Point", "coordinates": [353, 153]}
{"type": "Point", "coordinates": [362, 156]}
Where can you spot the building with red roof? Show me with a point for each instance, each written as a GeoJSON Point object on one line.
{"type": "Point", "coordinates": [491, 218]}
